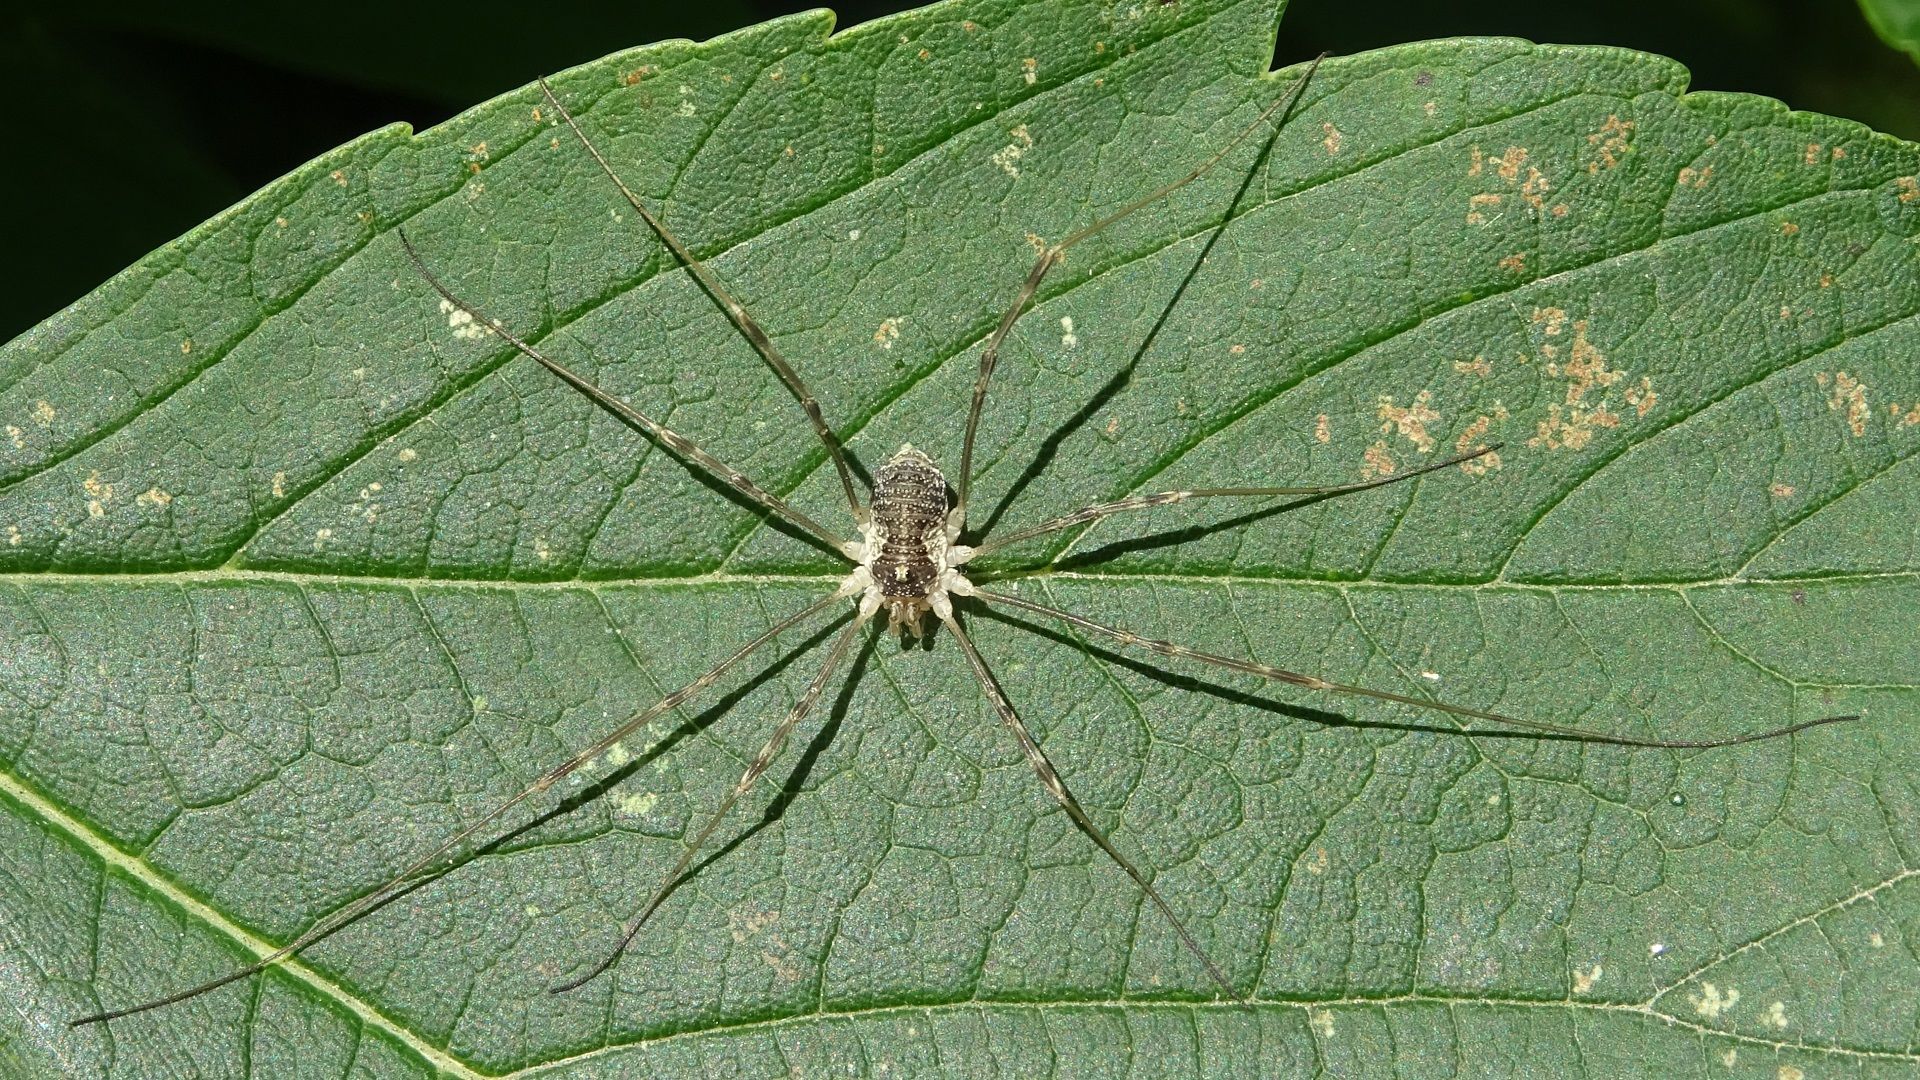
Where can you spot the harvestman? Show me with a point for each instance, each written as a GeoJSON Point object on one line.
{"type": "Point", "coordinates": [907, 563]}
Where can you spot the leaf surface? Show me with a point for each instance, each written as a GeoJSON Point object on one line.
{"type": "Point", "coordinates": [298, 576]}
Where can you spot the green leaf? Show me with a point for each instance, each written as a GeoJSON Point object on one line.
{"type": "Point", "coordinates": [1897, 22]}
{"type": "Point", "coordinates": [298, 578]}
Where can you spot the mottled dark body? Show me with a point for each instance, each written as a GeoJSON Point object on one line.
{"type": "Point", "coordinates": [910, 511]}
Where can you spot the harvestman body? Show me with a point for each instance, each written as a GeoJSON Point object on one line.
{"type": "Point", "coordinates": [907, 564]}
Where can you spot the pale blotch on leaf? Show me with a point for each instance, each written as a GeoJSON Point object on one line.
{"type": "Point", "coordinates": [1694, 178]}
{"type": "Point", "coordinates": [1711, 1003]}
{"type": "Point", "coordinates": [99, 494]}
{"type": "Point", "coordinates": [1068, 339]}
{"type": "Point", "coordinates": [743, 925]}
{"type": "Point", "coordinates": [1411, 422]}
{"type": "Point", "coordinates": [1776, 1016]}
{"type": "Point", "coordinates": [1846, 394]}
{"type": "Point", "coordinates": [1322, 1021]}
{"type": "Point", "coordinates": [1030, 70]}
{"type": "Point", "coordinates": [1908, 188]}
{"type": "Point", "coordinates": [1008, 156]}
{"type": "Point", "coordinates": [1780, 491]}
{"type": "Point", "coordinates": [369, 509]}
{"type": "Point", "coordinates": [320, 538]}
{"type": "Point", "coordinates": [1877, 940]}
{"type": "Point", "coordinates": [1657, 948]}
{"type": "Point", "coordinates": [617, 755]}
{"type": "Point", "coordinates": [1729, 1056]}
{"type": "Point", "coordinates": [462, 322]}
{"type": "Point", "coordinates": [889, 332]}
{"type": "Point", "coordinates": [1319, 863]}
{"type": "Point", "coordinates": [1476, 366]}
{"type": "Point", "coordinates": [279, 485]}
{"type": "Point", "coordinates": [540, 549]}
{"type": "Point", "coordinates": [639, 805]}
{"type": "Point", "coordinates": [154, 497]}
{"type": "Point", "coordinates": [1333, 139]}
{"type": "Point", "coordinates": [1515, 262]}
{"type": "Point", "coordinates": [1322, 430]}
{"type": "Point", "coordinates": [186, 347]}
{"type": "Point", "coordinates": [13, 536]}
{"type": "Point", "coordinates": [18, 437]}
{"type": "Point", "coordinates": [407, 453]}
{"type": "Point", "coordinates": [43, 412]}
{"type": "Point", "coordinates": [1583, 980]}
{"type": "Point", "coordinates": [1790, 1072]}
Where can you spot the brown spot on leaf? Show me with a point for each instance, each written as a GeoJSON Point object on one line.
{"type": "Point", "coordinates": [1585, 368]}
{"type": "Point", "coordinates": [1470, 440]}
{"type": "Point", "coordinates": [1571, 429]}
{"type": "Point", "coordinates": [1849, 395]}
{"type": "Point", "coordinates": [1641, 396]}
{"type": "Point", "coordinates": [1376, 461]}
{"type": "Point", "coordinates": [1411, 422]}
{"type": "Point", "coordinates": [1612, 142]}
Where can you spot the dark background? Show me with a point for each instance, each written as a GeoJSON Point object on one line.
{"type": "Point", "coordinates": [133, 122]}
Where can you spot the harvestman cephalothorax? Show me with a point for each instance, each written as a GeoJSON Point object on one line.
{"type": "Point", "coordinates": [908, 563]}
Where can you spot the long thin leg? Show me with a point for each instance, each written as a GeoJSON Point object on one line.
{"type": "Point", "coordinates": [1164, 498]}
{"type": "Point", "coordinates": [762, 344]}
{"type": "Point", "coordinates": [1051, 257]}
{"type": "Point", "coordinates": [759, 765]}
{"type": "Point", "coordinates": [1314, 682]}
{"type": "Point", "coordinates": [674, 441]}
{"type": "Point", "coordinates": [427, 862]}
{"type": "Point", "coordinates": [1050, 779]}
